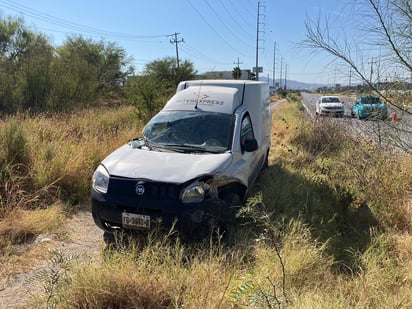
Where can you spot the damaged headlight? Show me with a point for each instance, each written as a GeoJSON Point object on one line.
{"type": "Point", "coordinates": [194, 193]}
{"type": "Point", "coordinates": [100, 180]}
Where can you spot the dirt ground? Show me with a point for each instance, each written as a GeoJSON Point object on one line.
{"type": "Point", "coordinates": [84, 240]}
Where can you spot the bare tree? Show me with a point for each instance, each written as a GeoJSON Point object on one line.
{"type": "Point", "coordinates": [386, 32]}
{"type": "Point", "coordinates": [384, 44]}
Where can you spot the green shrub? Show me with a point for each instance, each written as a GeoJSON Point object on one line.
{"type": "Point", "coordinates": [14, 146]}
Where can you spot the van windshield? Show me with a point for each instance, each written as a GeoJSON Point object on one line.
{"type": "Point", "coordinates": [191, 131]}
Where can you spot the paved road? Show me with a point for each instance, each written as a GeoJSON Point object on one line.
{"type": "Point", "coordinates": [396, 135]}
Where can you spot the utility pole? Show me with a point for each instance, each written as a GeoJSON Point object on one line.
{"type": "Point", "coordinates": [379, 72]}
{"type": "Point", "coordinates": [274, 65]}
{"type": "Point", "coordinates": [280, 75]}
{"type": "Point", "coordinates": [176, 42]}
{"type": "Point", "coordinates": [238, 66]}
{"type": "Point", "coordinates": [370, 78]}
{"type": "Point", "coordinates": [286, 74]}
{"type": "Point", "coordinates": [371, 63]}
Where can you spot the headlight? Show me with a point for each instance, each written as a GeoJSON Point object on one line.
{"type": "Point", "coordinates": [100, 180]}
{"type": "Point", "coordinates": [195, 193]}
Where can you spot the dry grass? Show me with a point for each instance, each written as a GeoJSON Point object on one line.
{"type": "Point", "coordinates": [67, 149]}
{"type": "Point", "coordinates": [341, 228]}
{"type": "Point", "coordinates": [62, 151]}
{"type": "Point", "coordinates": [161, 275]}
{"type": "Point", "coordinates": [22, 226]}
{"type": "Point", "coordinates": [52, 172]}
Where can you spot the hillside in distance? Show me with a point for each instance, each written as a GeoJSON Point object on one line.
{"type": "Point", "coordinates": [293, 84]}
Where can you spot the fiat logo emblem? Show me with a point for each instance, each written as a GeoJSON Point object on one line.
{"type": "Point", "coordinates": [139, 189]}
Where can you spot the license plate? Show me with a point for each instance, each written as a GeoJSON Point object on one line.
{"type": "Point", "coordinates": [135, 221]}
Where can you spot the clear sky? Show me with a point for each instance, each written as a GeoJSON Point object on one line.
{"type": "Point", "coordinates": [216, 34]}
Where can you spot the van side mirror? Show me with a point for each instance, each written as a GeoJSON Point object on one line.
{"type": "Point", "coordinates": [250, 145]}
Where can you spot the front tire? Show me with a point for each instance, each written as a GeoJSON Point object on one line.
{"type": "Point", "coordinates": [109, 238]}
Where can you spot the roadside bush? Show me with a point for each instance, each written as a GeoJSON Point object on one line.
{"type": "Point", "coordinates": [377, 181]}
{"type": "Point", "coordinates": [68, 148]}
{"type": "Point", "coordinates": [148, 96]}
{"type": "Point", "coordinates": [15, 164]}
{"type": "Point", "coordinates": [14, 146]}
{"type": "Point", "coordinates": [320, 138]}
{"type": "Point", "coordinates": [57, 159]}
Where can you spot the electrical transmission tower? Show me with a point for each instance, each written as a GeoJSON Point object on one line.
{"type": "Point", "coordinates": [257, 41]}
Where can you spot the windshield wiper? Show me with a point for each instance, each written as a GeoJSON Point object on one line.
{"type": "Point", "coordinates": [142, 142]}
{"type": "Point", "coordinates": [152, 145]}
{"type": "Point", "coordinates": [188, 148]}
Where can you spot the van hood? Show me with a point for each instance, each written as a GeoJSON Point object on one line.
{"type": "Point", "coordinates": [170, 167]}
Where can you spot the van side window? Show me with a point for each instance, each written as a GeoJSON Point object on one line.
{"type": "Point", "coordinates": [246, 130]}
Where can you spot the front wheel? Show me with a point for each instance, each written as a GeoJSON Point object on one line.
{"type": "Point", "coordinates": [232, 199]}
{"type": "Point", "coordinates": [233, 202]}
{"type": "Point", "coordinates": [231, 227]}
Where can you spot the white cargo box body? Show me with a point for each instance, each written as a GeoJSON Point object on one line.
{"type": "Point", "coordinates": [206, 98]}
{"type": "Point", "coordinates": [196, 161]}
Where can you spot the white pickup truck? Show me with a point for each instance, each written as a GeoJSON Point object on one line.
{"type": "Point", "coordinates": [193, 165]}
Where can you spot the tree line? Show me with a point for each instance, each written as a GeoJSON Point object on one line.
{"type": "Point", "coordinates": [38, 77]}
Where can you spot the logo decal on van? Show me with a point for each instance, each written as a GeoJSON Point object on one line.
{"type": "Point", "coordinates": [200, 99]}
{"type": "Point", "coordinates": [199, 96]}
{"type": "Point", "coordinates": [140, 189]}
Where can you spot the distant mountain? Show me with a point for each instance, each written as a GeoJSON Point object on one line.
{"type": "Point", "coordinates": [293, 84]}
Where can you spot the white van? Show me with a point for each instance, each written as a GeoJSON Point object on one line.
{"type": "Point", "coordinates": [194, 164]}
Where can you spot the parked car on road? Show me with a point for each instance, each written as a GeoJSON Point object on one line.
{"type": "Point", "coordinates": [369, 106]}
{"type": "Point", "coordinates": [330, 106]}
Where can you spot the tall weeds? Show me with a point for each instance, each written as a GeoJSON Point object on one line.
{"type": "Point", "coordinates": [326, 226]}
{"type": "Point", "coordinates": [53, 158]}
{"type": "Point", "coordinates": [46, 163]}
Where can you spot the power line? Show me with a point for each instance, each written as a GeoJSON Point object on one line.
{"type": "Point", "coordinates": [214, 30]}
{"type": "Point", "coordinates": [199, 55]}
{"type": "Point", "coordinates": [24, 10]}
{"type": "Point", "coordinates": [224, 24]}
{"type": "Point", "coordinates": [235, 9]}
{"type": "Point", "coordinates": [235, 20]}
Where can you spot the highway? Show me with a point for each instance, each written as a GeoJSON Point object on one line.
{"type": "Point", "coordinates": [395, 135]}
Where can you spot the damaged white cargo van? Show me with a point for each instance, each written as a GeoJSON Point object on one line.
{"type": "Point", "coordinates": [193, 165]}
